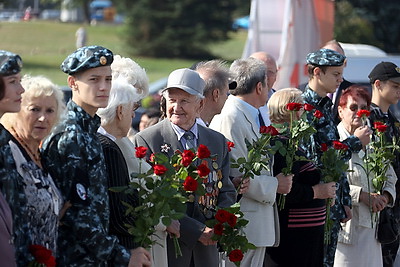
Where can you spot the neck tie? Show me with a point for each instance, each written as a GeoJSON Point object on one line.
{"type": "Point", "coordinates": [262, 123]}
{"type": "Point", "coordinates": [190, 140]}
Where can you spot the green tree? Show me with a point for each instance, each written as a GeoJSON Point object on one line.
{"type": "Point", "coordinates": [381, 17]}
{"type": "Point", "coordinates": [176, 28]}
{"type": "Point", "coordinates": [351, 27]}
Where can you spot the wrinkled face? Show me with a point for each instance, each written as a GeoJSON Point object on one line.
{"type": "Point", "coordinates": [389, 91]}
{"type": "Point", "coordinates": [11, 101]}
{"type": "Point", "coordinates": [331, 79]}
{"type": "Point", "coordinates": [183, 108]}
{"type": "Point", "coordinates": [128, 113]}
{"type": "Point", "coordinates": [348, 114]}
{"type": "Point", "coordinates": [37, 117]}
{"type": "Point", "coordinates": [91, 88]}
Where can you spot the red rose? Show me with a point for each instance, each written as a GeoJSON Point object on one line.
{"type": "Point", "coordinates": [203, 170]}
{"type": "Point", "coordinates": [339, 146]}
{"type": "Point", "coordinates": [218, 229]}
{"type": "Point", "coordinates": [318, 114]}
{"type": "Point", "coordinates": [42, 255]}
{"type": "Point", "coordinates": [381, 128]}
{"type": "Point", "coordinates": [186, 161]}
{"type": "Point", "coordinates": [187, 157]}
{"type": "Point", "coordinates": [232, 219]}
{"type": "Point", "coordinates": [324, 147]}
{"type": "Point", "coordinates": [141, 152]}
{"type": "Point", "coordinates": [308, 107]}
{"type": "Point", "coordinates": [159, 169]}
{"type": "Point", "coordinates": [294, 106]}
{"type": "Point", "coordinates": [222, 216]}
{"type": "Point", "coordinates": [230, 145]}
{"type": "Point", "coordinates": [363, 112]}
{"type": "Point", "coordinates": [50, 262]}
{"type": "Point", "coordinates": [203, 152]}
{"type": "Point", "coordinates": [235, 255]}
{"type": "Point", "coordinates": [190, 184]}
{"type": "Point", "coordinates": [269, 130]}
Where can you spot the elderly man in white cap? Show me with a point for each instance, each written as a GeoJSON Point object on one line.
{"type": "Point", "coordinates": [179, 131]}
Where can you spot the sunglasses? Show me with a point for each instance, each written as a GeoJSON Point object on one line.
{"type": "Point", "coordinates": [355, 107]}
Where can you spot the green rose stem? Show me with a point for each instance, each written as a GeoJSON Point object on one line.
{"type": "Point", "coordinates": [178, 251]}
{"type": "Point", "coordinates": [253, 160]}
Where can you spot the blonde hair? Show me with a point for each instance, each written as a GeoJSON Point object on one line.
{"type": "Point", "coordinates": [38, 86]}
{"type": "Point", "coordinates": [278, 112]}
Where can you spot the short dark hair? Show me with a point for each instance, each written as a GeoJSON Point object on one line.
{"type": "Point", "coordinates": [311, 67]}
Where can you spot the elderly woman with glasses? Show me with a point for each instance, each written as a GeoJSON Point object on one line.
{"type": "Point", "coordinates": [357, 245]}
{"type": "Point", "coordinates": [129, 85]}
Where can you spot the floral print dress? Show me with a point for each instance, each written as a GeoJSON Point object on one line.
{"type": "Point", "coordinates": [43, 199]}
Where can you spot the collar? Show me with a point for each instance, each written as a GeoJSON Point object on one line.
{"type": "Point", "coordinates": [311, 97]}
{"type": "Point", "coordinates": [249, 108]}
{"type": "Point", "coordinates": [103, 131]}
{"type": "Point", "coordinates": [180, 132]}
{"type": "Point", "coordinates": [82, 118]}
{"type": "Point", "coordinates": [201, 122]}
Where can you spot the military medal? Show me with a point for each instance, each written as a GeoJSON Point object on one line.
{"type": "Point", "coordinates": [215, 165]}
{"type": "Point", "coordinates": [191, 198]}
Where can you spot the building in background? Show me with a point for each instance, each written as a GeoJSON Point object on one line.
{"type": "Point", "coordinates": [289, 30]}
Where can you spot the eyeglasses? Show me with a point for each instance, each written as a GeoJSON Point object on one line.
{"type": "Point", "coordinates": [136, 105]}
{"type": "Point", "coordinates": [355, 107]}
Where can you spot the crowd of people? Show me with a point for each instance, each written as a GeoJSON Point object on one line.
{"type": "Point", "coordinates": [58, 162]}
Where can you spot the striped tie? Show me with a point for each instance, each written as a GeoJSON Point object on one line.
{"type": "Point", "coordinates": [190, 140]}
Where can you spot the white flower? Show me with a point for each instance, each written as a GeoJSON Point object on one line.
{"type": "Point", "coordinates": [165, 148]}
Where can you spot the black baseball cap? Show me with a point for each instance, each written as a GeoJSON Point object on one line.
{"type": "Point", "coordinates": [385, 71]}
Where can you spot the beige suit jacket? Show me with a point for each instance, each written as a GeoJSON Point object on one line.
{"type": "Point", "coordinates": [258, 203]}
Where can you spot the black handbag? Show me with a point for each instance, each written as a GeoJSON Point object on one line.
{"type": "Point", "coordinates": [388, 226]}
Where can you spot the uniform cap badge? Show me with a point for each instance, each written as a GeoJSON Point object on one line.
{"type": "Point", "coordinates": [103, 60]}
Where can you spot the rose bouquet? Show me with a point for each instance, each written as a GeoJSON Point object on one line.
{"type": "Point", "coordinates": [164, 190]}
{"type": "Point", "coordinates": [297, 130]}
{"type": "Point", "coordinates": [258, 155]}
{"type": "Point", "coordinates": [332, 169]}
{"type": "Point", "coordinates": [228, 231]}
{"type": "Point", "coordinates": [42, 257]}
{"type": "Point", "coordinates": [380, 154]}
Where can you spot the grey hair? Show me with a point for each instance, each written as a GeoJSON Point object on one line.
{"type": "Point", "coordinates": [247, 73]}
{"type": "Point", "coordinates": [122, 93]}
{"type": "Point", "coordinates": [214, 73]}
{"type": "Point", "coordinates": [132, 72]}
{"type": "Point", "coordinates": [38, 86]}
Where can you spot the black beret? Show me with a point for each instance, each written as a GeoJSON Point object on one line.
{"type": "Point", "coordinates": [385, 71]}
{"type": "Point", "coordinates": [10, 63]}
{"type": "Point", "coordinates": [87, 57]}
